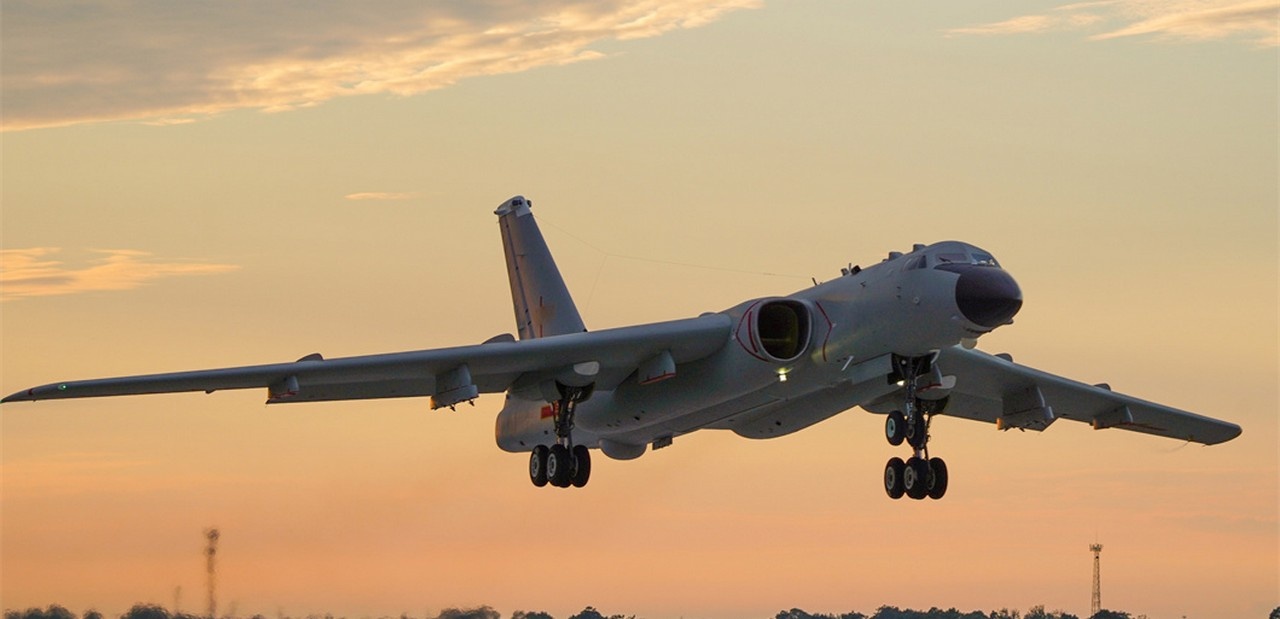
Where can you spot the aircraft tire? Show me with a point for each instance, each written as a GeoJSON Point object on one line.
{"type": "Point", "coordinates": [937, 478]}
{"type": "Point", "coordinates": [581, 466]}
{"type": "Point", "coordinates": [895, 428]}
{"type": "Point", "coordinates": [559, 468]}
{"type": "Point", "coordinates": [893, 478]}
{"type": "Point", "coordinates": [915, 478]}
{"type": "Point", "coordinates": [917, 433]}
{"type": "Point", "coordinates": [538, 466]}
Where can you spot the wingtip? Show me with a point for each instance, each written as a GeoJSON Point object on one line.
{"type": "Point", "coordinates": [1232, 435]}
{"type": "Point", "coordinates": [1229, 434]}
{"type": "Point", "coordinates": [21, 396]}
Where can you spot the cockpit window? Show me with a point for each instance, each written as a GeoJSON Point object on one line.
{"type": "Point", "coordinates": [985, 259]}
{"type": "Point", "coordinates": [972, 256]}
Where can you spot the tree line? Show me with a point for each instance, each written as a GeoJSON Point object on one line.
{"type": "Point", "coordinates": [153, 611]}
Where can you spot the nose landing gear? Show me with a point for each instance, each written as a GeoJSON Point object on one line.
{"type": "Point", "coordinates": [919, 476]}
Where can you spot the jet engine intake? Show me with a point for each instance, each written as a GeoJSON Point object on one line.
{"type": "Point", "coordinates": [781, 329]}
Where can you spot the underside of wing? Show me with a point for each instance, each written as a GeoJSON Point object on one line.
{"type": "Point", "coordinates": [995, 389]}
{"type": "Point", "coordinates": [449, 375]}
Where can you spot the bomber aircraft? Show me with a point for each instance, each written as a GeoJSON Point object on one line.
{"type": "Point", "coordinates": [896, 338]}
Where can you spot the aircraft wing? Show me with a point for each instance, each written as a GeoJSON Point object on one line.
{"type": "Point", "coordinates": [996, 390]}
{"type": "Point", "coordinates": [446, 374]}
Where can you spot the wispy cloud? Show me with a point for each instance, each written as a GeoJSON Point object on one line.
{"type": "Point", "coordinates": [1256, 21]}
{"type": "Point", "coordinates": [33, 272]}
{"type": "Point", "coordinates": [380, 196]}
{"type": "Point", "coordinates": [159, 61]}
{"type": "Point", "coordinates": [1259, 21]}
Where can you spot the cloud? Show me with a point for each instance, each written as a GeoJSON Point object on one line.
{"type": "Point", "coordinates": [1260, 20]}
{"type": "Point", "coordinates": [380, 195]}
{"type": "Point", "coordinates": [33, 273]}
{"type": "Point", "coordinates": [164, 62]}
{"type": "Point", "coordinates": [1186, 20]}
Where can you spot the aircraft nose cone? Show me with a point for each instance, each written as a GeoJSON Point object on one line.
{"type": "Point", "coordinates": [987, 296]}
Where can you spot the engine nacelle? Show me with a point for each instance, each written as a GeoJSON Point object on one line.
{"type": "Point", "coordinates": [776, 330]}
{"type": "Point", "coordinates": [621, 451]}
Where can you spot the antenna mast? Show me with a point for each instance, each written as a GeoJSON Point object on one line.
{"type": "Point", "coordinates": [1096, 604]}
{"type": "Point", "coordinates": [210, 553]}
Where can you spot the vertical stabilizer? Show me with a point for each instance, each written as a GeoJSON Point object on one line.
{"type": "Point", "coordinates": [542, 302]}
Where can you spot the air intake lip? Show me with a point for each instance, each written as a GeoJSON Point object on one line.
{"type": "Point", "coordinates": [777, 330]}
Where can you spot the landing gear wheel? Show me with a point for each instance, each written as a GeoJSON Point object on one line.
{"type": "Point", "coordinates": [895, 428]}
{"type": "Point", "coordinates": [538, 466]}
{"type": "Point", "coordinates": [937, 478]}
{"type": "Point", "coordinates": [918, 432]}
{"type": "Point", "coordinates": [559, 467]}
{"type": "Point", "coordinates": [915, 478]}
{"type": "Point", "coordinates": [893, 478]}
{"type": "Point", "coordinates": [581, 466]}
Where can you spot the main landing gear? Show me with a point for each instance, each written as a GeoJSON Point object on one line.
{"type": "Point", "coordinates": [562, 464]}
{"type": "Point", "coordinates": [919, 476]}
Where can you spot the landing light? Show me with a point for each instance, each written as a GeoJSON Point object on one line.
{"type": "Point", "coordinates": [782, 375]}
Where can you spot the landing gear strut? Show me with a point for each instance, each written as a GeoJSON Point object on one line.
{"type": "Point", "coordinates": [919, 476]}
{"type": "Point", "coordinates": [562, 464]}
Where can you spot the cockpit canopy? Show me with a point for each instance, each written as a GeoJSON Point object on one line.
{"type": "Point", "coordinates": [948, 253]}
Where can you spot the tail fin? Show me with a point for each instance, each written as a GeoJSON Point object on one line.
{"type": "Point", "coordinates": [542, 302]}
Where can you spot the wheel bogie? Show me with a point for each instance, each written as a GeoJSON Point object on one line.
{"type": "Point", "coordinates": [560, 466]}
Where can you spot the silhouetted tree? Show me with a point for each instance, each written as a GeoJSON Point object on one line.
{"type": "Point", "coordinates": [1111, 614]}
{"type": "Point", "coordinates": [520, 614]}
{"type": "Point", "coordinates": [1275, 614]}
{"type": "Point", "coordinates": [1005, 613]}
{"type": "Point", "coordinates": [952, 613]}
{"type": "Point", "coordinates": [796, 613]}
{"type": "Point", "coordinates": [1038, 612]}
{"type": "Point", "coordinates": [591, 613]}
{"type": "Point", "coordinates": [889, 612]}
{"type": "Point", "coordinates": [53, 611]}
{"type": "Point", "coordinates": [91, 614]}
{"type": "Point", "coordinates": [146, 611]}
{"type": "Point", "coordinates": [484, 612]}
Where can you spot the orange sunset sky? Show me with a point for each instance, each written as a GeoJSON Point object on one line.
{"type": "Point", "coordinates": [192, 185]}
